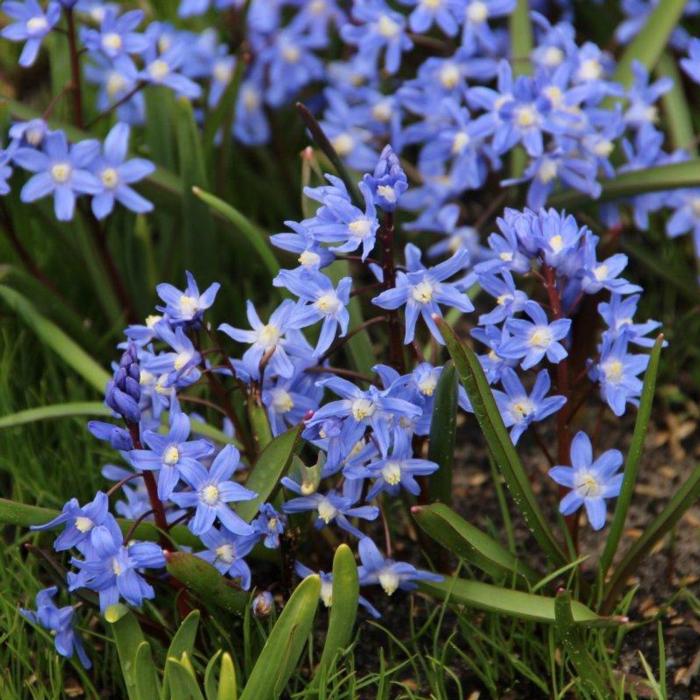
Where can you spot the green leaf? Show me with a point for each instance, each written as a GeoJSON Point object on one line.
{"type": "Point", "coordinates": [662, 177]}
{"type": "Point", "coordinates": [500, 444]}
{"type": "Point", "coordinates": [63, 410]}
{"type": "Point", "coordinates": [682, 499]}
{"type": "Point", "coordinates": [526, 606]}
{"type": "Point", "coordinates": [284, 646]}
{"type": "Point", "coordinates": [269, 468]}
{"type": "Point", "coordinates": [242, 225]}
{"type": "Point", "coordinates": [183, 683]}
{"type": "Point", "coordinates": [676, 109]}
{"type": "Point", "coordinates": [443, 431]}
{"type": "Point", "coordinates": [145, 673]}
{"type": "Point", "coordinates": [463, 539]}
{"type": "Point", "coordinates": [51, 335]}
{"type": "Point", "coordinates": [649, 44]}
{"type": "Point", "coordinates": [259, 422]}
{"type": "Point", "coordinates": [181, 643]}
{"type": "Point", "coordinates": [128, 637]}
{"type": "Point", "coordinates": [228, 689]}
{"type": "Point", "coordinates": [571, 636]}
{"type": "Point", "coordinates": [345, 595]}
{"type": "Point", "coordinates": [632, 462]}
{"type": "Point", "coordinates": [206, 582]}
{"type": "Point", "coordinates": [211, 687]}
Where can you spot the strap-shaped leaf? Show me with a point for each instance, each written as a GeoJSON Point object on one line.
{"type": "Point", "coordinates": [500, 444]}
{"type": "Point", "coordinates": [184, 685]}
{"type": "Point", "coordinates": [463, 539]}
{"type": "Point", "coordinates": [181, 643]}
{"type": "Point", "coordinates": [269, 468]}
{"type": "Point", "coordinates": [633, 456]}
{"type": "Point", "coordinates": [52, 336]}
{"type": "Point", "coordinates": [345, 594]}
{"type": "Point", "coordinates": [675, 106]}
{"type": "Point", "coordinates": [526, 606]}
{"type": "Point", "coordinates": [284, 646]}
{"type": "Point", "coordinates": [128, 637]}
{"type": "Point", "coordinates": [206, 582]}
{"type": "Point", "coordinates": [443, 431]}
{"type": "Point", "coordinates": [243, 225]}
{"type": "Point", "coordinates": [145, 674]}
{"type": "Point", "coordinates": [571, 637]}
{"type": "Point", "coordinates": [228, 689]}
{"type": "Point", "coordinates": [62, 410]}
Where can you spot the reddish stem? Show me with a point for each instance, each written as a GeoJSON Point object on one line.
{"type": "Point", "coordinates": [386, 238]}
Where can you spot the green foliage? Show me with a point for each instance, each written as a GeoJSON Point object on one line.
{"type": "Point", "coordinates": [443, 434]}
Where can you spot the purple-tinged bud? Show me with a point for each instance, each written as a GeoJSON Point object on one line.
{"type": "Point", "coordinates": [118, 438]}
{"type": "Point", "coordinates": [263, 604]}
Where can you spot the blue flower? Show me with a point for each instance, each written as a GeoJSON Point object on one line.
{"type": "Point", "coordinates": [388, 182]}
{"type": "Point", "coordinates": [118, 438]}
{"type": "Point", "coordinates": [59, 622]}
{"type": "Point", "coordinates": [288, 402]}
{"type": "Point", "coordinates": [269, 525]}
{"type": "Point", "coordinates": [112, 569]}
{"type": "Point", "coordinates": [116, 81]}
{"type": "Point", "coordinates": [263, 604]}
{"type": "Point", "coordinates": [178, 366]}
{"type": "Point", "coordinates": [389, 574]}
{"type": "Point", "coordinates": [267, 340]}
{"type": "Point", "coordinates": [509, 300]}
{"type": "Point", "coordinates": [191, 8]}
{"type": "Point", "coordinates": [116, 174]}
{"type": "Point", "coordinates": [116, 36]}
{"type": "Point", "coordinates": [312, 256]}
{"type": "Point", "coordinates": [80, 523]}
{"type": "Point", "coordinates": [380, 28]}
{"type": "Point", "coordinates": [691, 65]}
{"type": "Point", "coordinates": [31, 25]}
{"type": "Point", "coordinates": [331, 507]}
{"type": "Point", "coordinates": [186, 307]}
{"type": "Point", "coordinates": [60, 170]}
{"type": "Point", "coordinates": [518, 408]}
{"type": "Point", "coordinates": [170, 454]}
{"type": "Point", "coordinates": [225, 551]}
{"type": "Point", "coordinates": [320, 302]}
{"type": "Point", "coordinates": [616, 372]}
{"type": "Point", "coordinates": [423, 289]}
{"type": "Point", "coordinates": [212, 491]}
{"type": "Point", "coordinates": [619, 313]}
{"type": "Point", "coordinates": [532, 340]}
{"type": "Point", "coordinates": [162, 68]}
{"type": "Point", "coordinates": [591, 482]}
{"type": "Point", "coordinates": [476, 30]}
{"type": "Point", "coordinates": [427, 13]}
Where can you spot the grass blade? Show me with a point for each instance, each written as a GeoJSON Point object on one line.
{"type": "Point", "coordinates": [500, 444]}
{"type": "Point", "coordinates": [675, 104]}
{"type": "Point", "coordinates": [181, 643]}
{"type": "Point", "coordinates": [145, 674]}
{"type": "Point", "coordinates": [128, 637]}
{"type": "Point", "coordinates": [632, 462]}
{"type": "Point", "coordinates": [52, 336]}
{"type": "Point", "coordinates": [284, 646]}
{"type": "Point", "coordinates": [269, 468]}
{"type": "Point", "coordinates": [526, 606]}
{"type": "Point", "coordinates": [463, 539]}
{"type": "Point", "coordinates": [443, 431]}
{"type": "Point", "coordinates": [683, 499]}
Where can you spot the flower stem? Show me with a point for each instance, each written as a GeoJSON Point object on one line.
{"type": "Point", "coordinates": [75, 69]}
{"type": "Point", "coordinates": [386, 237]}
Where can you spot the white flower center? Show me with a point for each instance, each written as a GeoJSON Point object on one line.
{"type": "Point", "coordinates": [282, 402]}
{"type": "Point", "coordinates": [269, 335]}
{"type": "Point", "coordinates": [423, 292]}
{"type": "Point", "coordinates": [328, 303]}
{"type": "Point", "coordinates": [36, 25]}
{"type": "Point", "coordinates": [115, 83]}
{"type": "Point", "coordinates": [112, 41]}
{"type": "Point", "coordinates": [327, 593]}
{"type": "Point", "coordinates": [521, 408]}
{"type": "Point", "coordinates": [316, 7]}
{"type": "Point", "coordinates": [503, 299]}
{"type": "Point", "coordinates": [34, 137]}
{"type": "Point", "coordinates": [226, 553]}
{"type": "Point", "coordinates": [477, 12]}
{"type": "Point", "coordinates": [326, 510]}
{"type": "Point", "coordinates": [146, 377]}
{"type": "Point", "coordinates": [387, 27]}
{"type": "Point", "coordinates": [587, 485]}
{"type": "Point", "coordinates": [695, 206]}
{"type": "Point", "coordinates": [251, 98]}
{"type": "Point", "coordinates": [381, 111]}
{"type": "Point", "coordinates": [460, 141]}
{"type": "Point", "coordinates": [506, 256]}
{"type": "Point", "coordinates": [158, 69]}
{"type": "Point", "coordinates": [391, 472]}
{"type": "Point", "coordinates": [613, 371]}
{"type": "Point", "coordinates": [343, 144]}
{"type": "Point", "coordinates": [389, 581]}
{"type": "Point", "coordinates": [553, 56]}
{"type": "Point", "coordinates": [110, 178]}
{"type": "Point", "coordinates": [61, 172]}
{"type": "Point", "coordinates": [600, 272]}
{"type": "Point", "coordinates": [171, 455]}
{"type": "Point", "coordinates": [427, 386]}
{"type": "Point", "coordinates": [209, 495]}
{"type": "Point", "coordinates": [309, 259]}
{"type": "Point", "coordinates": [541, 337]}
{"type": "Point", "coordinates": [554, 95]}
{"type": "Point", "coordinates": [83, 524]}
{"type": "Point", "coordinates": [590, 69]}
{"type": "Point", "coordinates": [117, 568]}
{"type": "Point", "coordinates": [360, 228]}
{"type": "Point", "coordinates": [556, 243]}
{"type": "Point", "coordinates": [152, 319]}
{"type": "Point", "coordinates": [603, 148]}
{"type": "Point", "coordinates": [362, 408]}
{"type": "Point", "coordinates": [222, 71]}
{"type": "Point", "coordinates": [431, 4]}
{"type": "Point", "coordinates": [387, 192]}
{"type": "Point", "coordinates": [181, 360]}
{"type": "Point", "coordinates": [291, 53]}
{"type": "Point", "coordinates": [188, 305]}
{"type": "Point", "coordinates": [526, 116]}
{"type": "Point", "coordinates": [547, 170]}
